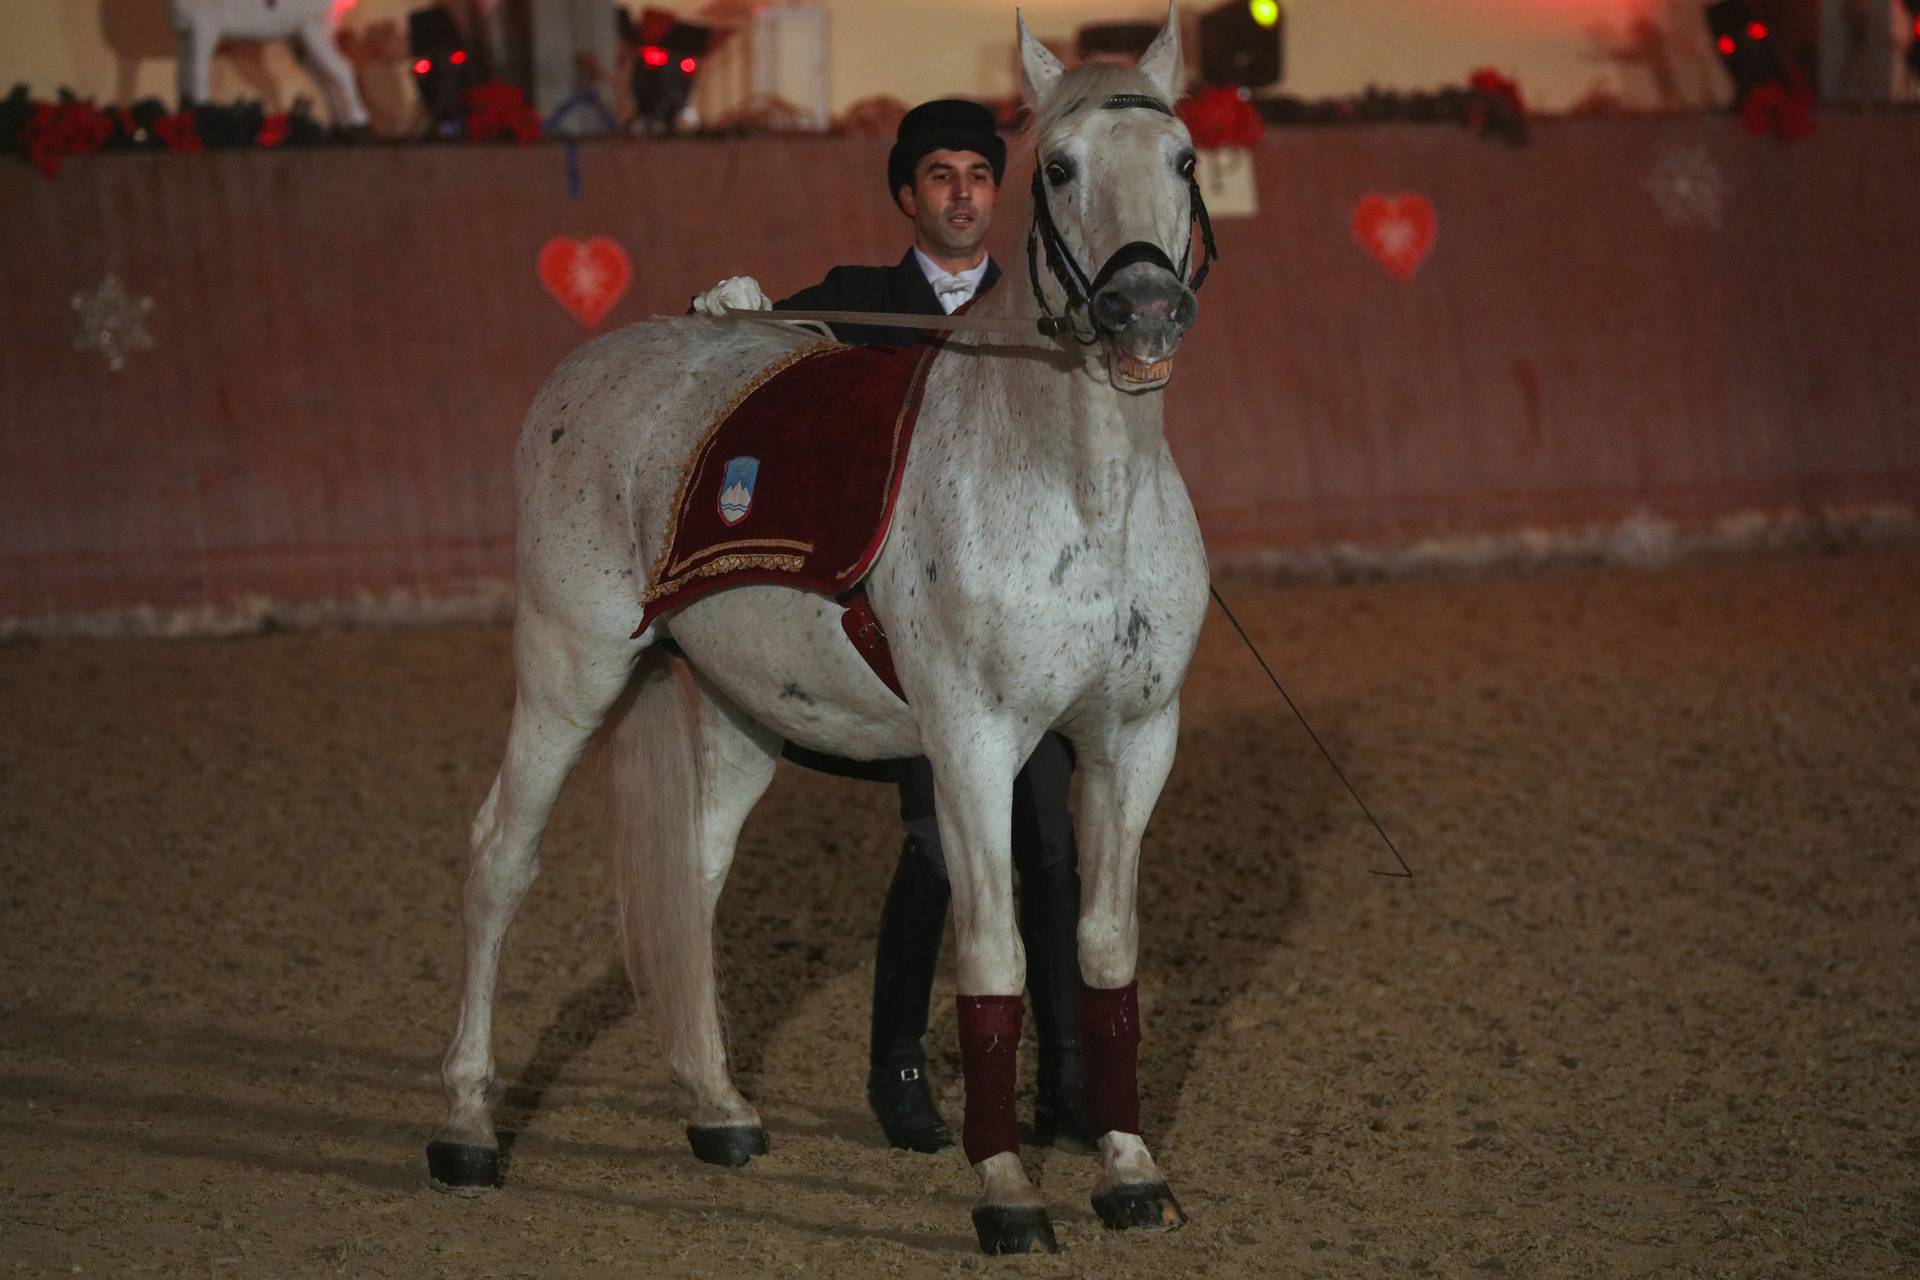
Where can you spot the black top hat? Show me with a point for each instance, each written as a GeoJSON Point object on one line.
{"type": "Point", "coordinates": [945, 124]}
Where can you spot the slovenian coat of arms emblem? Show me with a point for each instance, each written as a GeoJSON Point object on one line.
{"type": "Point", "coordinates": [736, 488]}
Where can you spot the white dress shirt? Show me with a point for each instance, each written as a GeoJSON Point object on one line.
{"type": "Point", "coordinates": [954, 289]}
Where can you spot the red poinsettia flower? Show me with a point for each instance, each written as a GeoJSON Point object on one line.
{"type": "Point", "coordinates": [1502, 89]}
{"type": "Point", "coordinates": [57, 130]}
{"type": "Point", "coordinates": [176, 132]}
{"type": "Point", "coordinates": [1220, 118]}
{"type": "Point", "coordinates": [497, 109]}
{"type": "Point", "coordinates": [1783, 110]}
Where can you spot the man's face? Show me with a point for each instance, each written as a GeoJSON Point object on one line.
{"type": "Point", "coordinates": [951, 204]}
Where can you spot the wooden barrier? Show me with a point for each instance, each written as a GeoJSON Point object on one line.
{"type": "Point", "coordinates": [346, 339]}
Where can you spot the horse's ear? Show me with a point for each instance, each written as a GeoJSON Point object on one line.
{"type": "Point", "coordinates": [1040, 71]}
{"type": "Point", "coordinates": [1162, 62]}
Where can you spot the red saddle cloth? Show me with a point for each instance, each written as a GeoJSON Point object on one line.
{"type": "Point", "coordinates": [794, 482]}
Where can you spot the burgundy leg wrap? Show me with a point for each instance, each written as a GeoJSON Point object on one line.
{"type": "Point", "coordinates": [989, 1043]}
{"type": "Point", "coordinates": [1110, 1045]}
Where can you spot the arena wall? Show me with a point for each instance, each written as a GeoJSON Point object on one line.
{"type": "Point", "coordinates": [345, 340]}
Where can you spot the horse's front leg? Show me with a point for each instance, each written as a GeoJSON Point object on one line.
{"type": "Point", "coordinates": [973, 785]}
{"type": "Point", "coordinates": [1121, 780]}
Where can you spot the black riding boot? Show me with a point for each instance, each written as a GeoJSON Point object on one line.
{"type": "Point", "coordinates": [1049, 925]}
{"type": "Point", "coordinates": [911, 925]}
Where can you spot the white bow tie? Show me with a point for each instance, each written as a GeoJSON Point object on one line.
{"type": "Point", "coordinates": [952, 286]}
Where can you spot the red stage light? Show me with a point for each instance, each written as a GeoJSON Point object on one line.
{"type": "Point", "coordinates": [459, 57]}
{"type": "Point", "coordinates": [653, 55]}
{"type": "Point", "coordinates": [423, 66]}
{"type": "Point", "coordinates": [1725, 45]}
{"type": "Point", "coordinates": [1916, 28]}
{"type": "Point", "coordinates": [1756, 31]}
{"type": "Point", "coordinates": [688, 65]}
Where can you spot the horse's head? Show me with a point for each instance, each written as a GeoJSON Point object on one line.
{"type": "Point", "coordinates": [1115, 203]}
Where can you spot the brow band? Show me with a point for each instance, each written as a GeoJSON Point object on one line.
{"type": "Point", "coordinates": [1121, 101]}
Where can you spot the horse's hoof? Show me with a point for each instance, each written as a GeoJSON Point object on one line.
{"type": "Point", "coordinates": [463, 1168]}
{"type": "Point", "coordinates": [731, 1145]}
{"type": "Point", "coordinates": [1013, 1230]}
{"type": "Point", "coordinates": [1137, 1205]}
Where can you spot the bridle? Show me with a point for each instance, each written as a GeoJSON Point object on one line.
{"type": "Point", "coordinates": [1079, 289]}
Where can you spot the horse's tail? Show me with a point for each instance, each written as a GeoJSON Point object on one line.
{"type": "Point", "coordinates": [655, 789]}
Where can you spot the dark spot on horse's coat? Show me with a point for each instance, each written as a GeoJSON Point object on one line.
{"type": "Point", "coordinates": [933, 572]}
{"type": "Point", "coordinates": [1137, 626]}
{"type": "Point", "coordinates": [557, 433]}
{"type": "Point", "coordinates": [792, 690]}
{"type": "Point", "coordinates": [1060, 569]}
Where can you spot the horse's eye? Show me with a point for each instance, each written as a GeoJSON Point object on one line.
{"type": "Point", "coordinates": [1187, 166]}
{"type": "Point", "coordinates": [1058, 174]}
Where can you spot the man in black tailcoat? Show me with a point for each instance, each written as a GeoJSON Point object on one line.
{"type": "Point", "coordinates": [944, 174]}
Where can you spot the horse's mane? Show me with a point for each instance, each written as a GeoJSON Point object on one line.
{"type": "Point", "coordinates": [1082, 89]}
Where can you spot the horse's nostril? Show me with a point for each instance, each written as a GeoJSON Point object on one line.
{"type": "Point", "coordinates": [1112, 310]}
{"type": "Point", "coordinates": [1185, 310]}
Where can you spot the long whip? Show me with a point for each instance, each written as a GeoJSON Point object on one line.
{"type": "Point", "coordinates": [1405, 872]}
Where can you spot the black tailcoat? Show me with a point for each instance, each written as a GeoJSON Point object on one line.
{"type": "Point", "coordinates": [901, 288]}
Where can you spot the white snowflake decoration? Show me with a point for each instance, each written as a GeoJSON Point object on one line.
{"type": "Point", "coordinates": [112, 322]}
{"type": "Point", "coordinates": [1687, 186]}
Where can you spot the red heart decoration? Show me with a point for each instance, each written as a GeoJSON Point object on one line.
{"type": "Point", "coordinates": [1397, 230]}
{"type": "Point", "coordinates": [585, 276]}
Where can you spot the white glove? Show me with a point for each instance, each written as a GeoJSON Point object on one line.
{"type": "Point", "coordinates": [735, 293]}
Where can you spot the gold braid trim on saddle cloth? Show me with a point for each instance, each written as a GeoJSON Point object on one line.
{"type": "Point", "coordinates": [727, 564]}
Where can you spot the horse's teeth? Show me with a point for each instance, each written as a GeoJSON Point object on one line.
{"type": "Point", "coordinates": [1139, 371]}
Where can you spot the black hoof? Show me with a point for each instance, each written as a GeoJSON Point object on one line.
{"type": "Point", "coordinates": [459, 1166]}
{"type": "Point", "coordinates": [1013, 1230]}
{"type": "Point", "coordinates": [1140, 1205]}
{"type": "Point", "coordinates": [731, 1145]}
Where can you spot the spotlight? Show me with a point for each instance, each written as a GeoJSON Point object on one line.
{"type": "Point", "coordinates": [1747, 48]}
{"type": "Point", "coordinates": [1240, 43]}
{"type": "Point", "coordinates": [668, 58]}
{"type": "Point", "coordinates": [442, 70]}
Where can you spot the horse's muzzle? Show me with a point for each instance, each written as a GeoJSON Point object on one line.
{"type": "Point", "coordinates": [1143, 310]}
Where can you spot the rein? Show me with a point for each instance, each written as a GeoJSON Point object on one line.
{"type": "Point", "coordinates": [1074, 282]}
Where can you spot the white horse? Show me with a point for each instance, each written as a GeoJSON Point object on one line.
{"type": "Point", "coordinates": [1044, 571]}
{"type": "Point", "coordinates": [200, 25]}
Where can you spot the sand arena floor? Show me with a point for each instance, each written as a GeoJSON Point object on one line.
{"type": "Point", "coordinates": [1650, 1009]}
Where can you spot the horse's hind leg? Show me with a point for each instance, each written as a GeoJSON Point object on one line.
{"type": "Point", "coordinates": [685, 767]}
{"type": "Point", "coordinates": [564, 682]}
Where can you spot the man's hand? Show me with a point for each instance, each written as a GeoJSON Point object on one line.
{"type": "Point", "coordinates": [735, 293]}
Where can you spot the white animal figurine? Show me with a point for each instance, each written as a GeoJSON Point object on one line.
{"type": "Point", "coordinates": [200, 25]}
